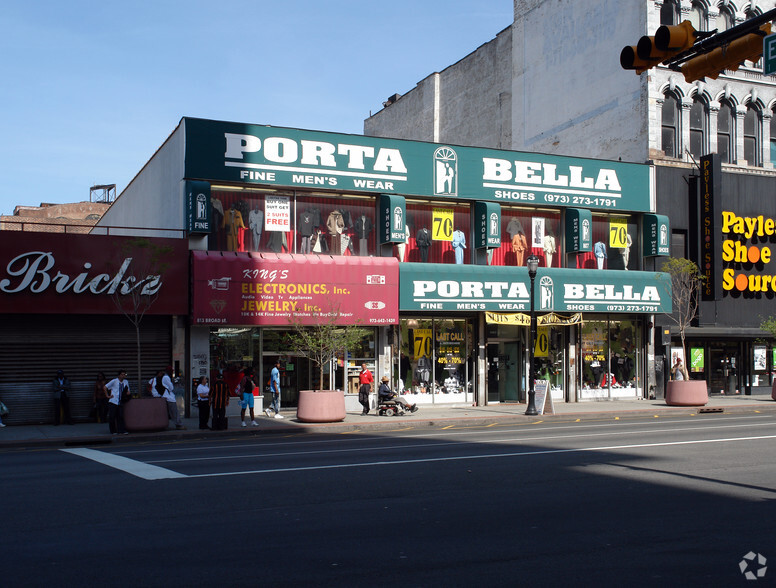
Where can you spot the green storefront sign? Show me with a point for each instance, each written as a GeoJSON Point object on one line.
{"type": "Point", "coordinates": [294, 158]}
{"type": "Point", "coordinates": [507, 289]}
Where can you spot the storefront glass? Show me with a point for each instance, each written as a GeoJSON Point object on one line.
{"type": "Point", "coordinates": [435, 232]}
{"type": "Point", "coordinates": [526, 232]}
{"type": "Point", "coordinates": [611, 362]}
{"type": "Point", "coordinates": [435, 361]}
{"type": "Point", "coordinates": [313, 223]}
{"type": "Point", "coordinates": [232, 350]}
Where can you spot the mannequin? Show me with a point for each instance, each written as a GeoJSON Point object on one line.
{"type": "Point", "coordinates": [626, 250]}
{"type": "Point", "coordinates": [401, 247]}
{"type": "Point", "coordinates": [363, 227]}
{"type": "Point", "coordinates": [277, 242]}
{"type": "Point", "coordinates": [423, 241]}
{"type": "Point", "coordinates": [519, 245]}
{"type": "Point", "coordinates": [549, 248]}
{"type": "Point", "coordinates": [336, 224]}
{"type": "Point", "coordinates": [256, 224]}
{"type": "Point", "coordinates": [233, 223]}
{"type": "Point", "coordinates": [459, 244]}
{"type": "Point", "coordinates": [600, 253]}
{"type": "Point", "coordinates": [306, 229]}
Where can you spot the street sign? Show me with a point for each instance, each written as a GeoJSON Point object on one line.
{"type": "Point", "coordinates": [769, 55]}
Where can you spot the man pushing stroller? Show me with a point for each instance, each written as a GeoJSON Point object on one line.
{"type": "Point", "coordinates": [385, 394]}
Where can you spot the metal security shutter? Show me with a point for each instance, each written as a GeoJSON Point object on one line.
{"type": "Point", "coordinates": [34, 347]}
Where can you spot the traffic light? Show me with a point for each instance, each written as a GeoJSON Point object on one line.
{"type": "Point", "coordinates": [729, 56]}
{"type": "Point", "coordinates": [668, 42]}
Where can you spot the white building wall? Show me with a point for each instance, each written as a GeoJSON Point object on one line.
{"type": "Point", "coordinates": [156, 192]}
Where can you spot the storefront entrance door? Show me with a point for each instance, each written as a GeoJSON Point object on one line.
{"type": "Point", "coordinates": [723, 375]}
{"type": "Point", "coordinates": [504, 371]}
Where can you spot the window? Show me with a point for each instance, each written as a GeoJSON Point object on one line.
{"type": "Point", "coordinates": [725, 126]}
{"type": "Point", "coordinates": [724, 19]}
{"type": "Point", "coordinates": [773, 138]}
{"type": "Point", "coordinates": [697, 17]}
{"type": "Point", "coordinates": [752, 137]}
{"type": "Point", "coordinates": [669, 13]}
{"type": "Point", "coordinates": [698, 126]}
{"type": "Point", "coordinates": [670, 126]}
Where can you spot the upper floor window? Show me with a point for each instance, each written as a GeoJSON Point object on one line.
{"type": "Point", "coordinates": [752, 126]}
{"type": "Point", "coordinates": [698, 128]}
{"type": "Point", "coordinates": [773, 137]}
{"type": "Point", "coordinates": [698, 16]}
{"type": "Point", "coordinates": [724, 18]}
{"type": "Point", "coordinates": [670, 125]}
{"type": "Point", "coordinates": [725, 128]}
{"type": "Point", "coordinates": [669, 13]}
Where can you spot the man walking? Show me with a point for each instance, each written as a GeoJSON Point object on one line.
{"type": "Point", "coordinates": [365, 379]}
{"type": "Point", "coordinates": [274, 384]}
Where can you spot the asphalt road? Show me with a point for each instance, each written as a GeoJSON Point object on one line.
{"type": "Point", "coordinates": [669, 501]}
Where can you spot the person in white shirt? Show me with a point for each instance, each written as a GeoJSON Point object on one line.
{"type": "Point", "coordinates": [203, 402]}
{"type": "Point", "coordinates": [169, 396]}
{"type": "Point", "coordinates": [118, 391]}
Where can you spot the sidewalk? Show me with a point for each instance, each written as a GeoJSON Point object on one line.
{"type": "Point", "coordinates": [29, 436]}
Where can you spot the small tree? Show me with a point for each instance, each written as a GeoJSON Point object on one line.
{"type": "Point", "coordinates": [686, 280]}
{"type": "Point", "coordinates": [140, 285]}
{"type": "Point", "coordinates": [321, 342]}
{"type": "Point", "coordinates": [769, 325]}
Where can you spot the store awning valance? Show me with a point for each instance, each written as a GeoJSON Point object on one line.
{"type": "Point", "coordinates": [551, 319]}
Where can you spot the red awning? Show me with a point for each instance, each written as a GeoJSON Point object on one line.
{"type": "Point", "coordinates": [236, 288]}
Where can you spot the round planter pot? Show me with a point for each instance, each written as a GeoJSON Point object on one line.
{"type": "Point", "coordinates": [687, 393]}
{"type": "Point", "coordinates": [326, 406]}
{"type": "Point", "coordinates": [773, 390]}
{"type": "Point", "coordinates": [145, 414]}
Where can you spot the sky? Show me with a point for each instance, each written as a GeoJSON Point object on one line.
{"type": "Point", "coordinates": [90, 90]}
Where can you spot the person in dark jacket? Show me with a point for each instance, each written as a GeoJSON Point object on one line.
{"type": "Point", "coordinates": [61, 388]}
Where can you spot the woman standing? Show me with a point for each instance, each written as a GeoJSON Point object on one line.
{"type": "Point", "coordinates": [203, 402]}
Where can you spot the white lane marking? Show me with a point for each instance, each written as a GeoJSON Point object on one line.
{"type": "Point", "coordinates": [492, 441]}
{"type": "Point", "coordinates": [264, 444]}
{"type": "Point", "coordinates": [130, 466]}
{"type": "Point", "coordinates": [483, 456]}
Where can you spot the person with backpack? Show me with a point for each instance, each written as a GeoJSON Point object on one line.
{"type": "Point", "coordinates": [246, 389]}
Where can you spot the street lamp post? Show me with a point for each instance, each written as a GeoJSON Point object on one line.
{"type": "Point", "coordinates": [533, 264]}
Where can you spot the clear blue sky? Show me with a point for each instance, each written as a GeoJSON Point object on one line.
{"type": "Point", "coordinates": [91, 89]}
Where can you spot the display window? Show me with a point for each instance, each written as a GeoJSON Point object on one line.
{"type": "Point", "coordinates": [610, 359]}
{"type": "Point", "coordinates": [613, 241]}
{"type": "Point", "coordinates": [292, 222]}
{"type": "Point", "coordinates": [434, 360]}
{"type": "Point", "coordinates": [525, 233]}
{"type": "Point", "coordinates": [234, 349]}
{"type": "Point", "coordinates": [436, 233]}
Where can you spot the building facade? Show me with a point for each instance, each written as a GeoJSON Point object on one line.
{"type": "Point", "coordinates": [423, 245]}
{"type": "Point", "coordinates": [553, 80]}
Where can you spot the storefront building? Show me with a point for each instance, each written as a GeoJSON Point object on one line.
{"type": "Point", "coordinates": [724, 219]}
{"type": "Point", "coordinates": [424, 244]}
{"type": "Point", "coordinates": [68, 301]}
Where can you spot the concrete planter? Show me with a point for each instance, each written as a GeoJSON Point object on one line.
{"type": "Point", "coordinates": [687, 393]}
{"type": "Point", "coordinates": [145, 414]}
{"type": "Point", "coordinates": [326, 406]}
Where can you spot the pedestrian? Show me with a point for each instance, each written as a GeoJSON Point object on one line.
{"type": "Point", "coordinates": [219, 400]}
{"type": "Point", "coordinates": [365, 379]}
{"type": "Point", "coordinates": [678, 371]}
{"type": "Point", "coordinates": [165, 387]}
{"type": "Point", "coordinates": [203, 402]}
{"type": "Point", "coordinates": [61, 388]}
{"type": "Point", "coordinates": [118, 390]}
{"type": "Point", "coordinates": [274, 385]}
{"type": "Point", "coordinates": [100, 398]}
{"type": "Point", "coordinates": [247, 386]}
